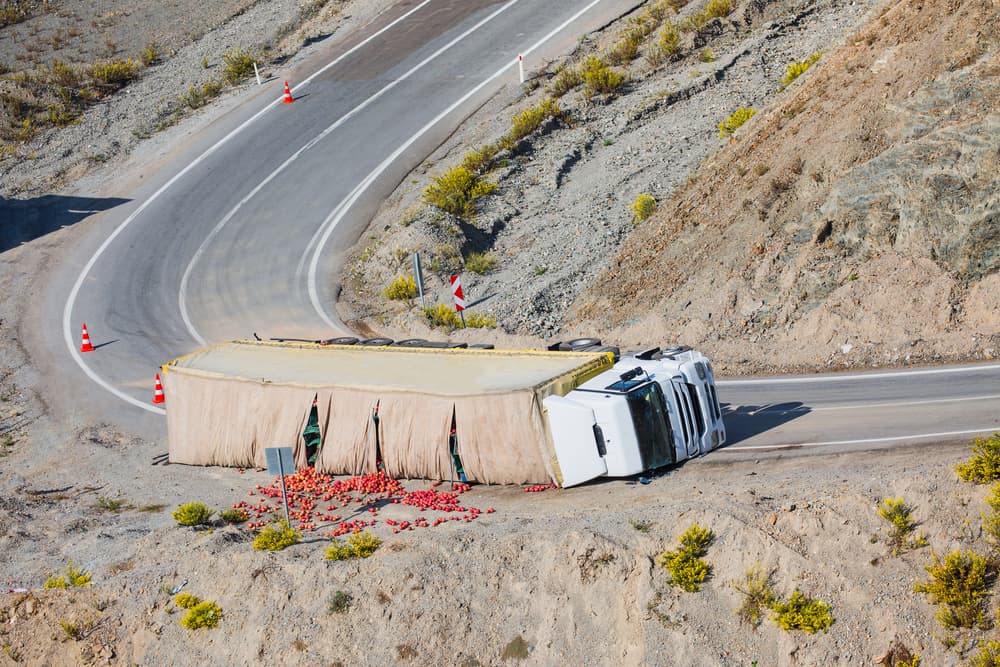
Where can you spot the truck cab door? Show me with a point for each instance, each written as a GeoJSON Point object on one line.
{"type": "Point", "coordinates": [576, 440]}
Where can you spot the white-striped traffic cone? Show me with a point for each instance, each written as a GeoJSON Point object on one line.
{"type": "Point", "coordinates": [158, 396]}
{"type": "Point", "coordinates": [85, 345]}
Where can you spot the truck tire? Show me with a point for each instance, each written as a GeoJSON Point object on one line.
{"type": "Point", "coordinates": [411, 342]}
{"type": "Point", "coordinates": [577, 343]}
{"type": "Point", "coordinates": [376, 342]}
{"type": "Point", "coordinates": [343, 340]}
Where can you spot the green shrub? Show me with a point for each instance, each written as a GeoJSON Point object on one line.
{"type": "Point", "coordinates": [196, 97]}
{"type": "Point", "coordinates": [61, 116]}
{"type": "Point", "coordinates": [797, 69]}
{"type": "Point", "coordinates": [529, 120]}
{"type": "Point", "coordinates": [276, 537]}
{"type": "Point", "coordinates": [643, 206]}
{"type": "Point", "coordinates": [900, 518]}
{"type": "Point", "coordinates": [238, 515]}
{"type": "Point", "coordinates": [361, 544]}
{"type": "Point", "coordinates": [667, 45]}
{"type": "Point", "coordinates": [599, 79]}
{"type": "Point", "coordinates": [685, 565]}
{"type": "Point", "coordinates": [456, 191]}
{"type": "Point", "coordinates": [991, 520]}
{"type": "Point", "coordinates": [203, 615]}
{"type": "Point", "coordinates": [186, 600]}
{"type": "Point", "coordinates": [733, 123]}
{"type": "Point", "coordinates": [72, 578]}
{"type": "Point", "coordinates": [641, 526]}
{"type": "Point", "coordinates": [402, 288]}
{"type": "Point", "coordinates": [63, 74]}
{"type": "Point", "coordinates": [802, 613]}
{"type": "Point", "coordinates": [959, 585]}
{"type": "Point", "coordinates": [988, 656]}
{"type": "Point", "coordinates": [984, 466]}
{"type": "Point", "coordinates": [193, 514]}
{"type": "Point", "coordinates": [478, 160]}
{"type": "Point", "coordinates": [442, 315]}
{"type": "Point", "coordinates": [758, 595]}
{"type": "Point", "coordinates": [149, 55]}
{"type": "Point", "coordinates": [338, 602]}
{"type": "Point", "coordinates": [236, 66]}
{"type": "Point", "coordinates": [480, 321]}
{"type": "Point", "coordinates": [113, 73]}
{"type": "Point", "coordinates": [706, 56]}
{"type": "Point", "coordinates": [626, 48]}
{"type": "Point", "coordinates": [481, 262]}
{"type": "Point", "coordinates": [565, 80]}
{"type": "Point", "coordinates": [718, 9]}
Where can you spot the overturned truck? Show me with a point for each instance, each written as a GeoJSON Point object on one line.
{"type": "Point", "coordinates": [502, 417]}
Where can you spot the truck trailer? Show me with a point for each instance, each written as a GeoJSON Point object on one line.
{"type": "Point", "coordinates": [417, 409]}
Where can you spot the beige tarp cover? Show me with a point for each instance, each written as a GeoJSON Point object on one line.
{"type": "Point", "coordinates": [227, 403]}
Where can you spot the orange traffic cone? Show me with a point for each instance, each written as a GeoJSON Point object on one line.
{"type": "Point", "coordinates": [288, 95]}
{"type": "Point", "coordinates": [158, 391]}
{"type": "Point", "coordinates": [85, 345]}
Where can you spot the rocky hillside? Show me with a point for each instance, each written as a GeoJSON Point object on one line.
{"type": "Point", "coordinates": [852, 220]}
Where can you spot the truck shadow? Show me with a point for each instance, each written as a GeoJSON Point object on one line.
{"type": "Point", "coordinates": [746, 421]}
{"type": "Point", "coordinates": [24, 220]}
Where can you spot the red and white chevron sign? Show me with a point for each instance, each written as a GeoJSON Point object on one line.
{"type": "Point", "coordinates": [456, 292]}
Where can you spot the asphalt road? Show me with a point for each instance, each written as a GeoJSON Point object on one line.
{"type": "Point", "coordinates": [244, 226]}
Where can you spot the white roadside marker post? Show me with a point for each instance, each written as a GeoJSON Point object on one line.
{"type": "Point", "coordinates": [520, 66]}
{"type": "Point", "coordinates": [256, 73]}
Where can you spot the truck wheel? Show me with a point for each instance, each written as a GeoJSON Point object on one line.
{"type": "Point", "coordinates": [583, 342]}
{"type": "Point", "coordinates": [376, 341]}
{"type": "Point", "coordinates": [411, 342]}
{"type": "Point", "coordinates": [343, 340]}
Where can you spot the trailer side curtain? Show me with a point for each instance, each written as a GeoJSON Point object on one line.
{"type": "Point", "coordinates": [414, 431]}
{"type": "Point", "coordinates": [501, 438]}
{"type": "Point", "coordinates": [348, 446]}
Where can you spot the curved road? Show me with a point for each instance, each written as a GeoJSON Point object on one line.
{"type": "Point", "coordinates": [243, 230]}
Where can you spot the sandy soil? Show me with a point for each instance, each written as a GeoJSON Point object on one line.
{"type": "Point", "coordinates": [558, 577]}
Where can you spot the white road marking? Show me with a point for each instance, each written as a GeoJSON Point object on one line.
{"type": "Point", "coordinates": [182, 294]}
{"type": "Point", "coordinates": [862, 406]}
{"type": "Point", "coordinates": [338, 213]}
{"type": "Point", "coordinates": [858, 376]}
{"type": "Point", "coordinates": [916, 436]}
{"type": "Point", "coordinates": [75, 291]}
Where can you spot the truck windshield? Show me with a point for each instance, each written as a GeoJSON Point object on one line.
{"type": "Point", "coordinates": [652, 429]}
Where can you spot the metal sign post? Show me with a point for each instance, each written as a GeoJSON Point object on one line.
{"type": "Point", "coordinates": [279, 459]}
{"type": "Point", "coordinates": [418, 276]}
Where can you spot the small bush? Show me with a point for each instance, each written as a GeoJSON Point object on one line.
{"type": "Point", "coordinates": [530, 120]}
{"type": "Point", "coordinates": [481, 262]}
{"type": "Point", "coordinates": [402, 288]}
{"type": "Point", "coordinates": [717, 9]}
{"type": "Point", "coordinates": [456, 191]}
{"type": "Point", "coordinates": [114, 74]}
{"type": "Point", "coordinates": [205, 614]}
{"type": "Point", "coordinates": [626, 48]}
{"type": "Point", "coordinates": [667, 45]}
{"type": "Point", "coordinates": [758, 595]}
{"type": "Point", "coordinates": [72, 578]}
{"type": "Point", "coordinates": [641, 526]}
{"type": "Point", "coordinates": [478, 160]}
{"type": "Point", "coordinates": [149, 55]}
{"type": "Point", "coordinates": [802, 613]}
{"type": "Point", "coordinates": [706, 56]}
{"type": "Point", "coordinates": [193, 514]}
{"type": "Point", "coordinates": [236, 66]}
{"type": "Point", "coordinates": [733, 123]}
{"type": "Point", "coordinates": [112, 504]}
{"type": "Point", "coordinates": [196, 97]}
{"type": "Point", "coordinates": [338, 602]}
{"type": "Point", "coordinates": [565, 80]}
{"type": "Point", "coordinates": [991, 520]}
{"type": "Point", "coordinates": [599, 79]}
{"type": "Point", "coordinates": [276, 537]}
{"type": "Point", "coordinates": [480, 321]}
{"type": "Point", "coordinates": [685, 565]}
{"type": "Point", "coordinates": [797, 69]}
{"type": "Point", "coordinates": [900, 517]}
{"type": "Point", "coordinates": [186, 600]}
{"type": "Point", "coordinates": [361, 544]}
{"type": "Point", "coordinates": [643, 207]}
{"type": "Point", "coordinates": [988, 656]}
{"type": "Point", "coordinates": [984, 466]}
{"type": "Point", "coordinates": [238, 515]}
{"type": "Point", "coordinates": [959, 585]}
{"type": "Point", "coordinates": [442, 315]}
{"type": "Point", "coordinates": [364, 543]}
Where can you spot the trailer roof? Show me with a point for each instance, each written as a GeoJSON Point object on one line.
{"type": "Point", "coordinates": [448, 372]}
